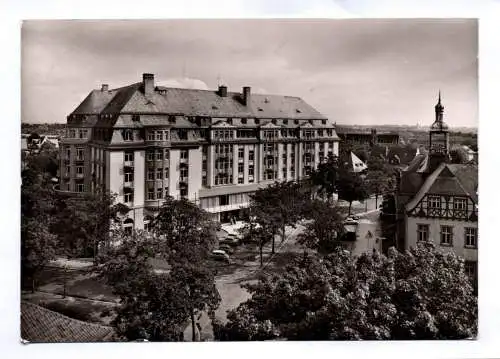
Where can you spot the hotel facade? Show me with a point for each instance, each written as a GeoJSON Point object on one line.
{"type": "Point", "coordinates": [144, 142]}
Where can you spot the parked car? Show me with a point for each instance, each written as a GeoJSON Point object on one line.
{"type": "Point", "coordinates": [220, 255]}
{"type": "Point", "coordinates": [231, 239]}
{"type": "Point", "coordinates": [226, 248]}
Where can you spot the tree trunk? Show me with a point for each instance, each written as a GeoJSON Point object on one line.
{"type": "Point", "coordinates": [193, 326]}
{"type": "Point", "coordinates": [272, 245]}
{"type": "Point", "coordinates": [33, 284]}
{"type": "Point", "coordinates": [260, 250]}
{"type": "Point", "coordinates": [350, 204]}
{"type": "Point", "coordinates": [283, 236]}
{"type": "Point", "coordinates": [376, 200]}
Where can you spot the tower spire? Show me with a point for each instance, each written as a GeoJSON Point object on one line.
{"type": "Point", "coordinates": [439, 100]}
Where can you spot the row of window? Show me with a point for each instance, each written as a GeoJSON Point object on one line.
{"type": "Point", "coordinates": [446, 235]}
{"type": "Point", "coordinates": [157, 135]}
{"type": "Point", "coordinates": [434, 202]}
{"type": "Point", "coordinates": [77, 133]}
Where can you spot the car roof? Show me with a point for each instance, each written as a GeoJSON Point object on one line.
{"type": "Point", "coordinates": [218, 251]}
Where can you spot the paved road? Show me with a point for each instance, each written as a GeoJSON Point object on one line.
{"type": "Point", "coordinates": [229, 286]}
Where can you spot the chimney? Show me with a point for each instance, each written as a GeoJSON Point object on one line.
{"type": "Point", "coordinates": [223, 91]}
{"type": "Point", "coordinates": [104, 87]}
{"type": "Point", "coordinates": [148, 83]}
{"type": "Point", "coordinates": [246, 95]}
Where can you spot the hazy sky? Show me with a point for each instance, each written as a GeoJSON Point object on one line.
{"type": "Point", "coordinates": [353, 71]}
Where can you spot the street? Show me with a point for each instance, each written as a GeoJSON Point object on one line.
{"type": "Point", "coordinates": [229, 285]}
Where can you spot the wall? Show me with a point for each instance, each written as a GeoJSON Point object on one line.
{"type": "Point", "coordinates": [434, 234]}
{"type": "Point", "coordinates": [175, 157]}
{"type": "Point", "coordinates": [194, 172]}
{"type": "Point", "coordinates": [115, 171]}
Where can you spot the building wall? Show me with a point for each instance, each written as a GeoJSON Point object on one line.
{"type": "Point", "coordinates": [434, 235]}
{"type": "Point", "coordinates": [115, 170]}
{"type": "Point", "coordinates": [194, 172]}
{"type": "Point", "coordinates": [175, 157]}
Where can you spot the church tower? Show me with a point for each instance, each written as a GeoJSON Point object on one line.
{"type": "Point", "coordinates": [439, 139]}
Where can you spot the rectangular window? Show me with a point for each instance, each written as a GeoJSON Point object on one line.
{"type": "Point", "coordinates": [251, 155]}
{"type": "Point", "coordinates": [471, 269]}
{"type": "Point", "coordinates": [446, 235]}
{"type": "Point", "coordinates": [240, 168]}
{"type": "Point", "coordinates": [250, 170]}
{"type": "Point", "coordinates": [79, 154]}
{"type": "Point", "coordinates": [150, 155]}
{"type": "Point", "coordinates": [166, 172]}
{"type": "Point", "coordinates": [128, 135]}
{"type": "Point", "coordinates": [224, 200]}
{"type": "Point", "coordinates": [159, 135]}
{"type": "Point", "coordinates": [128, 197]}
{"type": "Point", "coordinates": [159, 173]}
{"type": "Point", "coordinates": [68, 153]}
{"type": "Point", "coordinates": [129, 156]}
{"type": "Point", "coordinates": [129, 176]}
{"type": "Point", "coordinates": [80, 187]}
{"type": "Point", "coordinates": [240, 180]}
{"type": "Point", "coordinates": [471, 237]}
{"type": "Point", "coordinates": [68, 169]}
{"type": "Point", "coordinates": [184, 173]}
{"type": "Point", "coordinates": [151, 174]}
{"type": "Point", "coordinates": [241, 152]}
{"type": "Point", "coordinates": [159, 193]}
{"type": "Point", "coordinates": [184, 154]}
{"type": "Point", "coordinates": [460, 204]}
{"type": "Point", "coordinates": [434, 202]}
{"type": "Point", "coordinates": [79, 170]}
{"type": "Point", "coordinates": [159, 155]}
{"type": "Point", "coordinates": [151, 193]}
{"type": "Point", "coordinates": [184, 192]}
{"type": "Point", "coordinates": [166, 155]}
{"type": "Point", "coordinates": [72, 133]}
{"type": "Point", "coordinates": [422, 232]}
{"type": "Point", "coordinates": [151, 136]}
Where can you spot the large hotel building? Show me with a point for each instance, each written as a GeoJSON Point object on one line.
{"type": "Point", "coordinates": [144, 142]}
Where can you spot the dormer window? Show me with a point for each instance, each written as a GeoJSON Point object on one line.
{"type": "Point", "coordinates": [257, 121]}
{"type": "Point", "coordinates": [243, 121]}
{"type": "Point", "coordinates": [128, 135]}
{"type": "Point", "coordinates": [296, 122]}
{"type": "Point", "coordinates": [230, 121]}
{"type": "Point", "coordinates": [323, 122]}
{"type": "Point", "coordinates": [171, 119]}
{"type": "Point", "coordinates": [298, 110]}
{"type": "Point", "coordinates": [285, 122]}
{"type": "Point", "coordinates": [274, 121]}
{"type": "Point", "coordinates": [136, 118]}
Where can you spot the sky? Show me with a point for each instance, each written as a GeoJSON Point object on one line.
{"type": "Point", "coordinates": [354, 71]}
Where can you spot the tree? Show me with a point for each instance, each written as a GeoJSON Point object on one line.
{"type": "Point", "coordinates": [38, 244]}
{"type": "Point", "coordinates": [326, 176]}
{"type": "Point", "coordinates": [185, 231]}
{"type": "Point", "coordinates": [277, 206]}
{"type": "Point", "coordinates": [379, 182]}
{"type": "Point", "coordinates": [83, 223]}
{"type": "Point", "coordinates": [351, 188]}
{"type": "Point", "coordinates": [388, 221]}
{"type": "Point", "coordinates": [155, 305]}
{"type": "Point", "coordinates": [322, 232]}
{"type": "Point", "coordinates": [420, 294]}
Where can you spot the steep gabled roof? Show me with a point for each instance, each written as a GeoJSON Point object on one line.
{"type": "Point", "coordinates": [448, 179]}
{"type": "Point", "coordinates": [42, 325]}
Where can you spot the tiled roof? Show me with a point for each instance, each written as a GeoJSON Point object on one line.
{"type": "Point", "coordinates": [449, 179]}
{"type": "Point", "coordinates": [41, 325]}
{"type": "Point", "coordinates": [191, 102]}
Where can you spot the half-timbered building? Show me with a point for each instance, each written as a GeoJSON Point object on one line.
{"type": "Point", "coordinates": [438, 201]}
